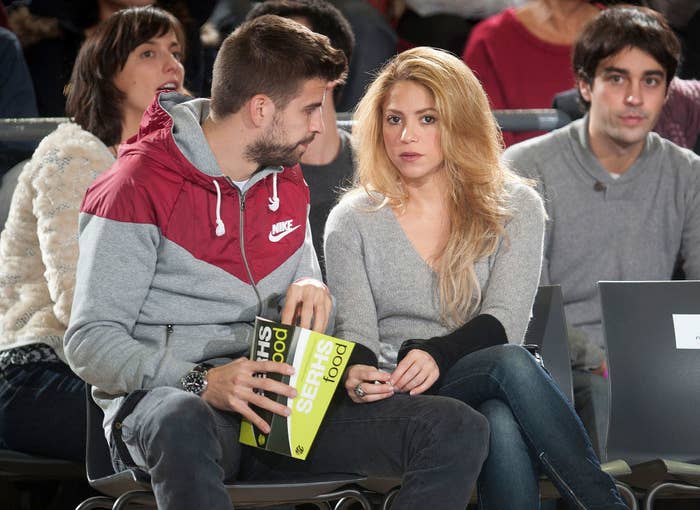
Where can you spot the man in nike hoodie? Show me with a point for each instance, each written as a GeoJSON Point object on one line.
{"type": "Point", "coordinates": [200, 226]}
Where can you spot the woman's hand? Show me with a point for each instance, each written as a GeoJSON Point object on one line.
{"type": "Point", "coordinates": [415, 373]}
{"type": "Point", "coordinates": [365, 383]}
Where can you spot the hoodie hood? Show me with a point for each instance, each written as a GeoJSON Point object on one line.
{"type": "Point", "coordinates": [171, 127]}
{"type": "Point", "coordinates": [171, 134]}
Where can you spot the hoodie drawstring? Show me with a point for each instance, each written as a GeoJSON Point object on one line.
{"type": "Point", "coordinates": [273, 205]}
{"type": "Point", "coordinates": [274, 202]}
{"type": "Point", "coordinates": [220, 227]}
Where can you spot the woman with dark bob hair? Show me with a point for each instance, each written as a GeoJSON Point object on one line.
{"type": "Point", "coordinates": [119, 69]}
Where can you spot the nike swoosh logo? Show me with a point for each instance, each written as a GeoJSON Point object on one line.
{"type": "Point", "coordinates": [278, 237]}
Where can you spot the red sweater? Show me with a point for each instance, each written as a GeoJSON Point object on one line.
{"type": "Point", "coordinates": [517, 69]}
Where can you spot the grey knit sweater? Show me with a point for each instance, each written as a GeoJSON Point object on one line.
{"type": "Point", "coordinates": [600, 228]}
{"type": "Point", "coordinates": [386, 293]}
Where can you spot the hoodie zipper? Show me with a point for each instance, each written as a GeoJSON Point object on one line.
{"type": "Point", "coordinates": [168, 331]}
{"type": "Point", "coordinates": [241, 225]}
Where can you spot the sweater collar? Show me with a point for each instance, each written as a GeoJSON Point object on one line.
{"type": "Point", "coordinates": [581, 147]}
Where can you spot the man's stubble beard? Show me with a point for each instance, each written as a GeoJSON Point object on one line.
{"type": "Point", "coordinates": [268, 151]}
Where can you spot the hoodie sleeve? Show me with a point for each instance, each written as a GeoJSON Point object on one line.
{"type": "Point", "coordinates": [116, 265]}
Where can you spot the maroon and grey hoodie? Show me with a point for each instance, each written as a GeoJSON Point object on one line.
{"type": "Point", "coordinates": [176, 260]}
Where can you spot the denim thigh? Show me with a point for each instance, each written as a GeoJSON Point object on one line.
{"type": "Point", "coordinates": [42, 410]}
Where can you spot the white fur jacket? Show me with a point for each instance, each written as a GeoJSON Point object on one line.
{"type": "Point", "coordinates": [39, 246]}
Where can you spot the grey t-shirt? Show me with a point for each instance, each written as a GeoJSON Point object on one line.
{"type": "Point", "coordinates": [325, 183]}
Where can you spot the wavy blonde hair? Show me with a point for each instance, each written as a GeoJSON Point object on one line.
{"type": "Point", "coordinates": [479, 202]}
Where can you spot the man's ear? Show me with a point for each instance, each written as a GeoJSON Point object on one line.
{"type": "Point", "coordinates": [261, 110]}
{"type": "Point", "coordinates": [584, 88]}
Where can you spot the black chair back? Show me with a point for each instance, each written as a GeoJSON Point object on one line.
{"type": "Point", "coordinates": [547, 329]}
{"type": "Point", "coordinates": [655, 385]}
{"type": "Point", "coordinates": [98, 461]}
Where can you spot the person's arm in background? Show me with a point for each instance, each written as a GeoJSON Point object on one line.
{"type": "Point", "coordinates": [58, 192]}
{"type": "Point", "coordinates": [41, 237]}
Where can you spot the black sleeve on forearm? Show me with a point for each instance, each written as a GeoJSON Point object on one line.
{"type": "Point", "coordinates": [480, 332]}
{"type": "Point", "coordinates": [362, 355]}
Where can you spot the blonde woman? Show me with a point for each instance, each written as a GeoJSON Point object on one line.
{"type": "Point", "coordinates": [434, 260]}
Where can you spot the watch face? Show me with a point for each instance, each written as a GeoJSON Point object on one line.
{"type": "Point", "coordinates": [194, 381]}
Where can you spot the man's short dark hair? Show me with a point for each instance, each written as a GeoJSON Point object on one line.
{"type": "Point", "coordinates": [93, 99]}
{"type": "Point", "coordinates": [324, 18]}
{"type": "Point", "coordinates": [271, 55]}
{"type": "Point", "coordinates": [621, 27]}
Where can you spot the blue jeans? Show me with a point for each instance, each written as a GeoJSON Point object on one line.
{"type": "Point", "coordinates": [541, 431]}
{"type": "Point", "coordinates": [436, 445]}
{"type": "Point", "coordinates": [42, 410]}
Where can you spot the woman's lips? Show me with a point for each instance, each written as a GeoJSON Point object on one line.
{"type": "Point", "coordinates": [409, 156]}
{"type": "Point", "coordinates": [169, 85]}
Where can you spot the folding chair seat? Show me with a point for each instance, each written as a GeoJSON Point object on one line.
{"type": "Point", "coordinates": [27, 480]}
{"type": "Point", "coordinates": [655, 391]}
{"type": "Point", "coordinates": [22, 466]}
{"type": "Point", "coordinates": [132, 487]}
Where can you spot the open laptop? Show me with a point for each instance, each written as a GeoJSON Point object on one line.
{"type": "Point", "coordinates": [547, 329]}
{"type": "Point", "coordinates": [652, 334]}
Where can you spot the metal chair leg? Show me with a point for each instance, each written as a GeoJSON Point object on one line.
{"type": "Point", "coordinates": [123, 500]}
{"type": "Point", "coordinates": [389, 498]}
{"type": "Point", "coordinates": [653, 492]}
{"type": "Point", "coordinates": [96, 502]}
{"type": "Point", "coordinates": [629, 496]}
{"type": "Point", "coordinates": [347, 497]}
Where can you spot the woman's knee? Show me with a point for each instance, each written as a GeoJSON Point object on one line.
{"type": "Point", "coordinates": [516, 362]}
{"type": "Point", "coordinates": [504, 428]}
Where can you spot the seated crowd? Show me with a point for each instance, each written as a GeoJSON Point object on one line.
{"type": "Point", "coordinates": [140, 246]}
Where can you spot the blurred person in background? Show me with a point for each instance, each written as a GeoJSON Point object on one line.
{"type": "Point", "coordinates": [118, 71]}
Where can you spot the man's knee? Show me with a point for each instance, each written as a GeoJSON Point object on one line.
{"type": "Point", "coordinates": [463, 430]}
{"type": "Point", "coordinates": [178, 417]}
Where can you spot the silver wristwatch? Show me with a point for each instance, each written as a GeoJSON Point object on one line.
{"type": "Point", "coordinates": [195, 381]}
